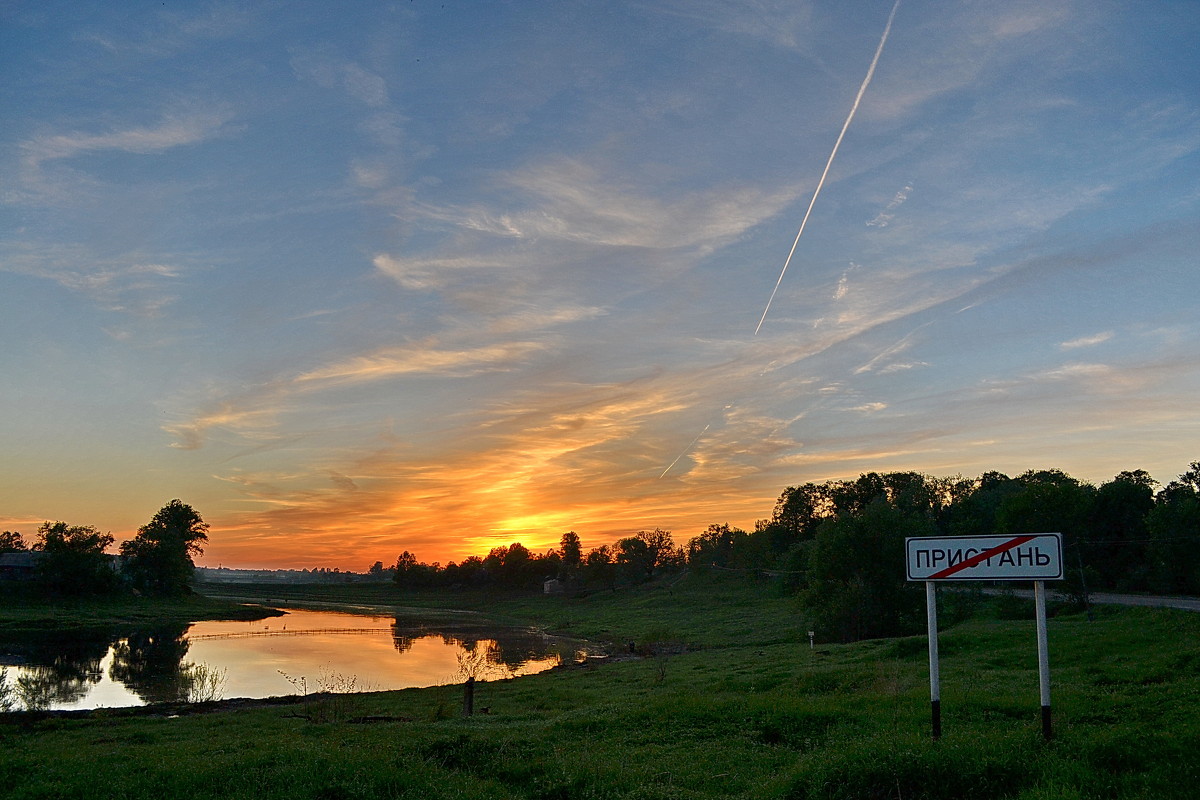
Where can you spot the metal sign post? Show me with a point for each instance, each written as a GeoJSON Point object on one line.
{"type": "Point", "coordinates": [1043, 648]}
{"type": "Point", "coordinates": [935, 681]}
{"type": "Point", "coordinates": [1033, 556]}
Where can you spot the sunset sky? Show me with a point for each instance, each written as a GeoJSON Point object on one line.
{"type": "Point", "coordinates": [355, 278]}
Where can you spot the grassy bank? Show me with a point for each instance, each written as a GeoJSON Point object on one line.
{"type": "Point", "coordinates": [22, 610]}
{"type": "Point", "coordinates": [747, 710]}
{"type": "Point", "coordinates": [706, 612]}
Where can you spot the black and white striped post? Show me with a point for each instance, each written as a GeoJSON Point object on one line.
{"type": "Point", "coordinates": [935, 680]}
{"type": "Point", "coordinates": [1043, 648]}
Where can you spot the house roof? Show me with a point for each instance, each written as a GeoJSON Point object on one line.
{"type": "Point", "coordinates": [26, 559]}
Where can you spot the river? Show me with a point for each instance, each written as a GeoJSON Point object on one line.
{"type": "Point", "coordinates": [303, 651]}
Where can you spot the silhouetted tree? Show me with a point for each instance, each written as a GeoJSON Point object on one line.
{"type": "Point", "coordinates": [599, 566]}
{"type": "Point", "coordinates": [716, 547]}
{"type": "Point", "coordinates": [12, 542]}
{"type": "Point", "coordinates": [1173, 555]}
{"type": "Point", "coordinates": [571, 553]}
{"type": "Point", "coordinates": [1048, 501]}
{"type": "Point", "coordinates": [158, 560]}
{"type": "Point", "coordinates": [1116, 545]}
{"type": "Point", "coordinates": [798, 511]}
{"type": "Point", "coordinates": [413, 574]}
{"type": "Point", "coordinates": [856, 585]}
{"type": "Point", "coordinates": [639, 556]}
{"type": "Point", "coordinates": [74, 561]}
{"type": "Point", "coordinates": [974, 511]}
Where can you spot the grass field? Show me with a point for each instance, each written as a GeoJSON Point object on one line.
{"type": "Point", "coordinates": [745, 709]}
{"type": "Point", "coordinates": [21, 611]}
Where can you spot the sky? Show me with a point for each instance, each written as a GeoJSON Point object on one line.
{"type": "Point", "coordinates": [358, 278]}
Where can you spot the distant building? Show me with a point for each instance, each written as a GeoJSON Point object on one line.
{"type": "Point", "coordinates": [19, 566]}
{"type": "Point", "coordinates": [552, 586]}
{"type": "Point", "coordinates": [23, 566]}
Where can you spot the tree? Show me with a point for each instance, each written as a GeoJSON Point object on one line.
{"type": "Point", "coordinates": [856, 586]}
{"type": "Point", "coordinates": [973, 504]}
{"type": "Point", "coordinates": [1117, 549]}
{"type": "Point", "coordinates": [661, 547]}
{"type": "Point", "coordinates": [716, 547]}
{"type": "Point", "coordinates": [1174, 554]}
{"type": "Point", "coordinates": [599, 566]}
{"type": "Point", "coordinates": [73, 560]}
{"type": "Point", "coordinates": [158, 560]}
{"type": "Point", "coordinates": [797, 513]}
{"type": "Point", "coordinates": [12, 542]}
{"type": "Point", "coordinates": [635, 562]}
{"type": "Point", "coordinates": [571, 550]}
{"type": "Point", "coordinates": [517, 562]}
{"type": "Point", "coordinates": [413, 574]}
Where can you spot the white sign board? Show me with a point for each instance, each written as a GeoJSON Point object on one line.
{"type": "Point", "coordinates": [1023, 557]}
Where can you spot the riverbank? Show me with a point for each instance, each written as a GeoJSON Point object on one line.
{"type": "Point", "coordinates": [25, 611]}
{"type": "Point", "coordinates": [745, 710]}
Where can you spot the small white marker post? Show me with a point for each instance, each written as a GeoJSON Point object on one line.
{"type": "Point", "coordinates": [935, 681]}
{"type": "Point", "coordinates": [811, 634]}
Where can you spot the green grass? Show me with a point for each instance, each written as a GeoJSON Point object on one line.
{"type": "Point", "coordinates": [747, 712]}
{"type": "Point", "coordinates": [23, 611]}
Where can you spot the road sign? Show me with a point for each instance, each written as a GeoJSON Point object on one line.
{"type": "Point", "coordinates": [1024, 557]}
{"type": "Point", "coordinates": [1028, 556]}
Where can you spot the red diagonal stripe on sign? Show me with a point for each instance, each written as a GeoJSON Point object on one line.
{"type": "Point", "coordinates": [980, 558]}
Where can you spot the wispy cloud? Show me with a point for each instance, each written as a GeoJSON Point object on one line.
{"type": "Point", "coordinates": [572, 200]}
{"type": "Point", "coordinates": [1087, 341]}
{"type": "Point", "coordinates": [783, 24]}
{"type": "Point", "coordinates": [42, 184]}
{"type": "Point", "coordinates": [169, 32]}
{"type": "Point", "coordinates": [892, 351]}
{"type": "Point", "coordinates": [421, 358]}
{"type": "Point", "coordinates": [173, 131]}
{"type": "Point", "coordinates": [134, 285]}
{"type": "Point", "coordinates": [249, 422]}
{"type": "Point", "coordinates": [330, 71]}
{"type": "Point", "coordinates": [884, 217]}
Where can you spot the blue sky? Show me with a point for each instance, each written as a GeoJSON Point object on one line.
{"type": "Point", "coordinates": [358, 278]}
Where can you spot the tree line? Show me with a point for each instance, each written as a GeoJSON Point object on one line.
{"type": "Point", "coordinates": [839, 545]}
{"type": "Point", "coordinates": [73, 559]}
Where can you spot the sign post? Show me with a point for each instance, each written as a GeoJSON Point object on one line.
{"type": "Point", "coordinates": [935, 681]}
{"type": "Point", "coordinates": [1039, 599]}
{"type": "Point", "coordinates": [1031, 556]}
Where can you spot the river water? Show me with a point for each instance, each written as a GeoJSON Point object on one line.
{"type": "Point", "coordinates": [303, 651]}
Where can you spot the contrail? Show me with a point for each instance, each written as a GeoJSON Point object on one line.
{"type": "Point", "coordinates": [857, 99]}
{"type": "Point", "coordinates": [685, 451]}
{"type": "Point", "coordinates": [861, 91]}
{"type": "Point", "coordinates": [688, 449]}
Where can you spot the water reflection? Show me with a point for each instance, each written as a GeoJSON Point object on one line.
{"type": "Point", "coordinates": [60, 668]}
{"type": "Point", "coordinates": [109, 667]}
{"type": "Point", "coordinates": [150, 663]}
{"type": "Point", "coordinates": [499, 652]}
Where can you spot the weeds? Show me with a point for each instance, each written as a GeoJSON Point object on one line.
{"type": "Point", "coordinates": [337, 696]}
{"type": "Point", "coordinates": [481, 662]}
{"type": "Point", "coordinates": [36, 691]}
{"type": "Point", "coordinates": [7, 694]}
{"type": "Point", "coordinates": [202, 683]}
{"type": "Point", "coordinates": [661, 644]}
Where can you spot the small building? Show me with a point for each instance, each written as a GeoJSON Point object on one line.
{"type": "Point", "coordinates": [20, 566]}
{"type": "Point", "coordinates": [552, 586]}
